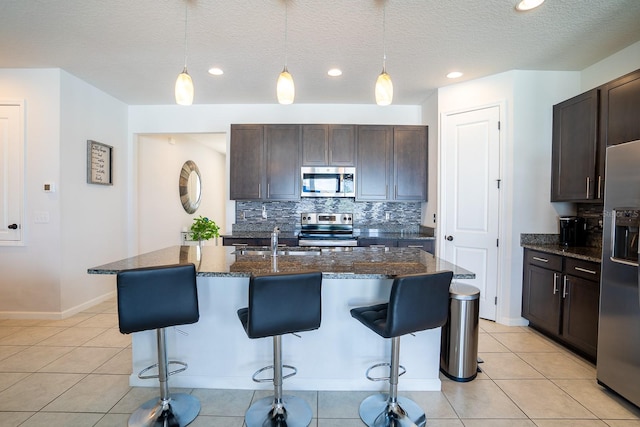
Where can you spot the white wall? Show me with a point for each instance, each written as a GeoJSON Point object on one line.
{"type": "Point", "coordinates": [174, 119]}
{"type": "Point", "coordinates": [47, 276]}
{"type": "Point", "coordinates": [159, 165]}
{"type": "Point", "coordinates": [610, 68]}
{"type": "Point", "coordinates": [93, 217]}
{"type": "Point", "coordinates": [430, 117]}
{"type": "Point", "coordinates": [30, 279]}
{"type": "Point", "coordinates": [526, 99]}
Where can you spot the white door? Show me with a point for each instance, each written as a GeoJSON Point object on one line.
{"type": "Point", "coordinates": [11, 158]}
{"type": "Point", "coordinates": [470, 180]}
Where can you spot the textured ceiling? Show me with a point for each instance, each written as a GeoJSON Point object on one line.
{"type": "Point", "coordinates": [134, 49]}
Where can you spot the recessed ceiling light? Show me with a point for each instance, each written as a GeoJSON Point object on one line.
{"type": "Point", "coordinates": [334, 72]}
{"type": "Point", "coordinates": [215, 71]}
{"type": "Point", "coordinates": [524, 5]}
{"type": "Point", "coordinates": [454, 75]}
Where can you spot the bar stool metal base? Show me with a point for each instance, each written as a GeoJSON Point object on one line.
{"type": "Point", "coordinates": [377, 411]}
{"type": "Point", "coordinates": [183, 408]}
{"type": "Point", "coordinates": [291, 412]}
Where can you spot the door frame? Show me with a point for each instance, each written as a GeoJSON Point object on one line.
{"type": "Point", "coordinates": [504, 233]}
{"type": "Point", "coordinates": [20, 103]}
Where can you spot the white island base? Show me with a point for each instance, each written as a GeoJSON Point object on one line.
{"type": "Point", "coordinates": [333, 357]}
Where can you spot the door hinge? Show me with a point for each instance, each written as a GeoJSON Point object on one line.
{"type": "Point", "coordinates": [498, 183]}
{"type": "Point", "coordinates": [497, 243]}
{"type": "Point", "coordinates": [495, 300]}
{"type": "Point", "coordinates": [498, 124]}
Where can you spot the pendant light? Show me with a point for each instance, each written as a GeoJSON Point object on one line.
{"type": "Point", "coordinates": [184, 84]}
{"type": "Point", "coordinates": [285, 88]}
{"type": "Point", "coordinates": [384, 86]}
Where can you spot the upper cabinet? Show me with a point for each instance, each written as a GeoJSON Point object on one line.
{"type": "Point", "coordinates": [620, 109]}
{"type": "Point", "coordinates": [247, 162]}
{"type": "Point", "coordinates": [583, 127]}
{"type": "Point", "coordinates": [265, 162]}
{"type": "Point", "coordinates": [576, 158]}
{"type": "Point", "coordinates": [328, 145]}
{"type": "Point", "coordinates": [392, 163]}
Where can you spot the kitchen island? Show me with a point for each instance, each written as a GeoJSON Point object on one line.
{"type": "Point", "coordinates": [334, 357]}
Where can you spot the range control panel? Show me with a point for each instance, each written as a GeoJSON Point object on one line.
{"type": "Point", "coordinates": [326, 219]}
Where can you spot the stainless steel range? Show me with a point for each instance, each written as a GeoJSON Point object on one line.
{"type": "Point", "coordinates": [326, 229]}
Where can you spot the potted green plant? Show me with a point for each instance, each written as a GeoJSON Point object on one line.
{"type": "Point", "coordinates": [203, 229]}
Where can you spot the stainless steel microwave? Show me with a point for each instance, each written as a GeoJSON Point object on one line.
{"type": "Point", "coordinates": [328, 181]}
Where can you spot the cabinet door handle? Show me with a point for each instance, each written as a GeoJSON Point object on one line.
{"type": "Point", "coordinates": [555, 283]}
{"type": "Point", "coordinates": [240, 244]}
{"type": "Point", "coordinates": [588, 187]}
{"type": "Point", "coordinates": [564, 287]}
{"type": "Point", "coordinates": [584, 270]}
{"type": "Point", "coordinates": [259, 191]}
{"type": "Point", "coordinates": [268, 190]}
{"type": "Point", "coordinates": [415, 246]}
{"type": "Point", "coordinates": [540, 259]}
{"type": "Point", "coordinates": [599, 186]}
{"type": "Point", "coordinates": [377, 246]}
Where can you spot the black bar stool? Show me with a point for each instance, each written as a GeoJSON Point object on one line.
{"type": "Point", "coordinates": [281, 303]}
{"type": "Point", "coordinates": [417, 302]}
{"type": "Point", "coordinates": [156, 298]}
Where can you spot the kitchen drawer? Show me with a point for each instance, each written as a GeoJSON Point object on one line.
{"type": "Point", "coordinates": [544, 260]}
{"type": "Point", "coordinates": [580, 268]}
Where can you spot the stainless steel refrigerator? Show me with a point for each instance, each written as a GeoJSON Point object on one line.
{"type": "Point", "coordinates": [618, 362]}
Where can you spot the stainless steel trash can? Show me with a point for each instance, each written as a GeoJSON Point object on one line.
{"type": "Point", "coordinates": [459, 349]}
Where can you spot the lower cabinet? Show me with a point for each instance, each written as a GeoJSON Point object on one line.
{"type": "Point", "coordinates": [424, 244]}
{"type": "Point", "coordinates": [560, 297]}
{"type": "Point", "coordinates": [250, 241]}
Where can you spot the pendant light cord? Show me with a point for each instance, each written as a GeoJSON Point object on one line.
{"type": "Point", "coordinates": [186, 7]}
{"type": "Point", "coordinates": [286, 27]}
{"type": "Point", "coordinates": [384, 38]}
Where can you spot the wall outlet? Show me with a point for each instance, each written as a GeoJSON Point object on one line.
{"type": "Point", "coordinates": [264, 212]}
{"type": "Point", "coordinates": [387, 216]}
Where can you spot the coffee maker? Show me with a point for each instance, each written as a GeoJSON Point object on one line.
{"type": "Point", "coordinates": [573, 231]}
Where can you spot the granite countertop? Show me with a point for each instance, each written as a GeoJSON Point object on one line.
{"type": "Point", "coordinates": [578, 252]}
{"type": "Point", "coordinates": [363, 234]}
{"type": "Point", "coordinates": [549, 243]}
{"type": "Point", "coordinates": [341, 263]}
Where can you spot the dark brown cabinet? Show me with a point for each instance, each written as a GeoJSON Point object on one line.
{"type": "Point", "coordinates": [264, 162]}
{"type": "Point", "coordinates": [247, 162]}
{"type": "Point", "coordinates": [381, 242]}
{"type": "Point", "coordinates": [577, 157]}
{"type": "Point", "coordinates": [373, 173]}
{"type": "Point", "coordinates": [324, 145]}
{"type": "Point", "coordinates": [252, 241]}
{"type": "Point", "coordinates": [392, 163]}
{"type": "Point", "coordinates": [620, 109]}
{"type": "Point", "coordinates": [283, 164]}
{"type": "Point", "coordinates": [560, 297]}
{"type": "Point", "coordinates": [425, 245]}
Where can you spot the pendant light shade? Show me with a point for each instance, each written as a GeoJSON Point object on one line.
{"type": "Point", "coordinates": [184, 88]}
{"type": "Point", "coordinates": [384, 86]}
{"type": "Point", "coordinates": [285, 88]}
{"type": "Point", "coordinates": [384, 89]}
{"type": "Point", "coordinates": [184, 85]}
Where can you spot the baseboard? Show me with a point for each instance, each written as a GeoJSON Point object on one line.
{"type": "Point", "coordinates": [56, 315]}
{"type": "Point", "coordinates": [513, 321]}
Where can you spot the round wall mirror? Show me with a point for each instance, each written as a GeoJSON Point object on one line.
{"type": "Point", "coordinates": [190, 186]}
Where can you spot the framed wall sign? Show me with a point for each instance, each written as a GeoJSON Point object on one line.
{"type": "Point", "coordinates": [99, 163]}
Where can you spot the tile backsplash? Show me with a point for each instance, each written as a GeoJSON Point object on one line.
{"type": "Point", "coordinates": [403, 216]}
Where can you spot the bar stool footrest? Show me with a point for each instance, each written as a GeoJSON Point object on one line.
{"type": "Point", "coordinates": [266, 368]}
{"type": "Point", "coordinates": [155, 366]}
{"type": "Point", "coordinates": [377, 365]}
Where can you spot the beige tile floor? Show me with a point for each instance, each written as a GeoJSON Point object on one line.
{"type": "Point", "coordinates": [74, 373]}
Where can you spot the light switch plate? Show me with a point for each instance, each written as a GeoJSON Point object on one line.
{"type": "Point", "coordinates": [41, 217]}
